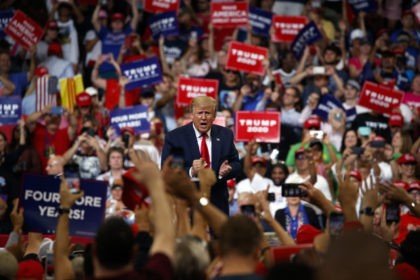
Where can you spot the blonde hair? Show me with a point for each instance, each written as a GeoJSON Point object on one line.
{"type": "Point", "coordinates": [204, 101]}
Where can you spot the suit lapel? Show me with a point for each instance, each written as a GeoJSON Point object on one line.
{"type": "Point", "coordinates": [195, 150]}
{"type": "Point", "coordinates": [216, 145]}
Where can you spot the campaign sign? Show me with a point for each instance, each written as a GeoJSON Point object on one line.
{"type": "Point", "coordinates": [326, 104]}
{"type": "Point", "coordinates": [307, 36]}
{"type": "Point", "coordinates": [158, 6]}
{"type": "Point", "coordinates": [24, 30]}
{"type": "Point", "coordinates": [5, 18]}
{"type": "Point", "coordinates": [229, 14]}
{"type": "Point", "coordinates": [286, 28]}
{"type": "Point", "coordinates": [260, 21]}
{"type": "Point", "coordinates": [379, 98]}
{"type": "Point", "coordinates": [164, 24]}
{"type": "Point", "coordinates": [135, 117]}
{"type": "Point", "coordinates": [189, 88]}
{"type": "Point", "coordinates": [10, 110]}
{"type": "Point", "coordinates": [413, 101]}
{"type": "Point", "coordinates": [363, 5]}
{"type": "Point", "coordinates": [144, 72]}
{"type": "Point", "coordinates": [41, 198]}
{"type": "Point", "coordinates": [247, 58]}
{"type": "Point", "coordinates": [259, 126]}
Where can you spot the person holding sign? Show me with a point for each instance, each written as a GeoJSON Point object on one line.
{"type": "Point", "coordinates": [201, 144]}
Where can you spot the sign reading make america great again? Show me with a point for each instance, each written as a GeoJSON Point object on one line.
{"type": "Point", "coordinates": [140, 73]}
{"type": "Point", "coordinates": [229, 14]}
{"type": "Point", "coordinates": [24, 30]}
{"type": "Point", "coordinates": [247, 58]}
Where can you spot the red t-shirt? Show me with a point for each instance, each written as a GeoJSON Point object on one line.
{"type": "Point", "coordinates": [53, 144]}
{"type": "Point", "coordinates": [112, 95]}
{"type": "Point", "coordinates": [408, 223]}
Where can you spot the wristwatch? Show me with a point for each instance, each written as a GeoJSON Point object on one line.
{"type": "Point", "coordinates": [202, 202]}
{"type": "Point", "coordinates": [62, 210]}
{"type": "Point", "coordinates": [368, 211]}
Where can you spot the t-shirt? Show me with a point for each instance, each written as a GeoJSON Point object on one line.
{"type": "Point", "coordinates": [89, 167]}
{"type": "Point", "coordinates": [112, 42]}
{"type": "Point", "coordinates": [20, 80]}
{"type": "Point", "coordinates": [326, 157]}
{"type": "Point", "coordinates": [250, 103]}
{"type": "Point", "coordinates": [112, 95]}
{"type": "Point", "coordinates": [47, 144]}
{"type": "Point", "coordinates": [69, 41]}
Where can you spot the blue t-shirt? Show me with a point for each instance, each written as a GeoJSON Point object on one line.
{"type": "Point", "coordinates": [249, 103]}
{"type": "Point", "coordinates": [112, 42]}
{"type": "Point", "coordinates": [20, 80]}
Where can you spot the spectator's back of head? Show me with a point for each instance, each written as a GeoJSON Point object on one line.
{"type": "Point", "coordinates": [410, 249]}
{"type": "Point", "coordinates": [239, 236]}
{"type": "Point", "coordinates": [191, 258]}
{"type": "Point", "coordinates": [114, 243]}
{"type": "Point", "coordinates": [8, 265]}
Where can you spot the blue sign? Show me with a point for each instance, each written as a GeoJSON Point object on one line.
{"type": "Point", "coordinates": [164, 24]}
{"type": "Point", "coordinates": [351, 115]}
{"type": "Point", "coordinates": [260, 21]}
{"type": "Point", "coordinates": [144, 72]}
{"type": "Point", "coordinates": [135, 117]}
{"type": "Point", "coordinates": [326, 104]}
{"type": "Point", "coordinates": [41, 198]}
{"type": "Point", "coordinates": [363, 5]}
{"type": "Point", "coordinates": [10, 110]}
{"type": "Point", "coordinates": [307, 36]}
{"type": "Point", "coordinates": [5, 17]}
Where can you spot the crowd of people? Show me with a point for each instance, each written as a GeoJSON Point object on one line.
{"type": "Point", "coordinates": [342, 190]}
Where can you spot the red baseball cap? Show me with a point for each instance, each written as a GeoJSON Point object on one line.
{"type": "Point", "coordinates": [259, 159]}
{"type": "Point", "coordinates": [306, 234]}
{"type": "Point", "coordinates": [356, 174]}
{"type": "Point", "coordinates": [55, 49]}
{"type": "Point", "coordinates": [312, 122]}
{"type": "Point", "coordinates": [407, 158]}
{"type": "Point", "coordinates": [30, 269]}
{"type": "Point", "coordinates": [41, 71]}
{"type": "Point", "coordinates": [414, 186]}
{"type": "Point", "coordinates": [231, 183]}
{"type": "Point", "coordinates": [52, 24]}
{"type": "Point", "coordinates": [396, 120]}
{"type": "Point", "coordinates": [83, 100]}
{"type": "Point", "coordinates": [401, 184]}
{"type": "Point", "coordinates": [117, 16]}
{"type": "Point", "coordinates": [378, 139]}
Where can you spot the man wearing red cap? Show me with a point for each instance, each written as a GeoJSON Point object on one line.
{"type": "Point", "coordinates": [407, 168]}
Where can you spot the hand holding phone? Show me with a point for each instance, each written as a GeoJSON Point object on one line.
{"type": "Point", "coordinates": [248, 210]}
{"type": "Point", "coordinates": [336, 223]}
{"type": "Point", "coordinates": [292, 190]}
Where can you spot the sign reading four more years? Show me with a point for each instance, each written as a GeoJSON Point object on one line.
{"type": "Point", "coordinates": [135, 117]}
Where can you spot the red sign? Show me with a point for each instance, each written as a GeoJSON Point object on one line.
{"type": "Point", "coordinates": [379, 98]}
{"type": "Point", "coordinates": [412, 100]}
{"type": "Point", "coordinates": [248, 58]}
{"type": "Point", "coordinates": [287, 27]}
{"type": "Point", "coordinates": [259, 126]}
{"type": "Point", "coordinates": [189, 88]}
{"type": "Point", "coordinates": [158, 6]}
{"type": "Point", "coordinates": [229, 14]}
{"type": "Point", "coordinates": [24, 30]}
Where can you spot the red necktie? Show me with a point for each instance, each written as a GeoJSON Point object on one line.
{"type": "Point", "coordinates": [204, 150]}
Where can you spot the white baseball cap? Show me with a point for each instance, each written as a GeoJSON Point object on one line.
{"type": "Point", "coordinates": [91, 91]}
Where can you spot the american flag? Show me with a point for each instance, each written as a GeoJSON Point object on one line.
{"type": "Point", "coordinates": [46, 88]}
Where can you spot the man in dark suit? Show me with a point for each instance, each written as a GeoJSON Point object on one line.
{"type": "Point", "coordinates": [206, 145]}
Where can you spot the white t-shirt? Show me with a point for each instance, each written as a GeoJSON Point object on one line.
{"type": "Point", "coordinates": [69, 41]}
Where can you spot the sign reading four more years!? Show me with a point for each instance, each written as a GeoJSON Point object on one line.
{"type": "Point", "coordinates": [379, 98]}
{"type": "Point", "coordinates": [24, 30]}
{"type": "Point", "coordinates": [135, 117]}
{"type": "Point", "coordinates": [259, 126]}
{"type": "Point", "coordinates": [140, 73]}
{"type": "Point", "coordinates": [247, 58]}
{"type": "Point", "coordinates": [189, 88]}
{"type": "Point", "coordinates": [41, 199]}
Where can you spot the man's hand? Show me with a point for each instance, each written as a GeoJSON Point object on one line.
{"type": "Point", "coordinates": [178, 181]}
{"type": "Point", "coordinates": [370, 195]}
{"type": "Point", "coordinates": [207, 180]}
{"type": "Point", "coordinates": [197, 165]}
{"type": "Point", "coordinates": [16, 216]}
{"type": "Point", "coordinates": [225, 169]}
{"type": "Point", "coordinates": [67, 199]}
{"type": "Point", "coordinates": [142, 217]}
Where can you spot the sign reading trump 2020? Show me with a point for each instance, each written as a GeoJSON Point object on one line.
{"type": "Point", "coordinates": [229, 14]}
{"type": "Point", "coordinates": [307, 36]}
{"type": "Point", "coordinates": [10, 110]}
{"type": "Point", "coordinates": [24, 30]}
{"type": "Point", "coordinates": [164, 24]}
{"type": "Point", "coordinates": [41, 199]}
{"type": "Point", "coordinates": [140, 73]}
{"type": "Point", "coordinates": [379, 98]}
{"type": "Point", "coordinates": [135, 117]}
{"type": "Point", "coordinates": [189, 88]}
{"type": "Point", "coordinates": [158, 6]}
{"type": "Point", "coordinates": [286, 28]}
{"type": "Point", "coordinates": [247, 58]}
{"type": "Point", "coordinates": [259, 126]}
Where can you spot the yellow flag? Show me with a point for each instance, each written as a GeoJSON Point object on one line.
{"type": "Point", "coordinates": [69, 89]}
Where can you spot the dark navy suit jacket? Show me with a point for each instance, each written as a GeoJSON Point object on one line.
{"type": "Point", "coordinates": [222, 148]}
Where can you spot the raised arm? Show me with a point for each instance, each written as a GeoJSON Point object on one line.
{"type": "Point", "coordinates": [96, 80]}
{"type": "Point", "coordinates": [135, 18]}
{"type": "Point", "coordinates": [95, 17]}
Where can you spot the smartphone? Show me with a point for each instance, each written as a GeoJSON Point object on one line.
{"type": "Point", "coordinates": [248, 210]}
{"type": "Point", "coordinates": [125, 138]}
{"type": "Point", "coordinates": [49, 266]}
{"type": "Point", "coordinates": [177, 157]}
{"type": "Point", "coordinates": [271, 197]}
{"type": "Point", "coordinates": [318, 70]}
{"type": "Point", "coordinates": [57, 110]}
{"type": "Point", "coordinates": [392, 213]}
{"type": "Point", "coordinates": [377, 144]}
{"type": "Point", "coordinates": [89, 131]}
{"type": "Point", "coordinates": [357, 150]}
{"type": "Point", "coordinates": [318, 134]}
{"type": "Point", "coordinates": [336, 223]}
{"type": "Point", "coordinates": [71, 174]}
{"type": "Point", "coordinates": [292, 189]}
{"type": "Point", "coordinates": [364, 131]}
